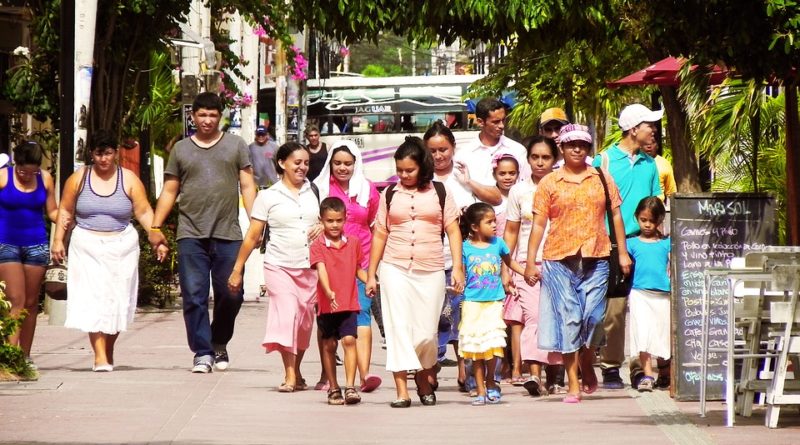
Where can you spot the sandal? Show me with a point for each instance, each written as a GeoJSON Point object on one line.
{"type": "Point", "coordinates": [518, 381]}
{"type": "Point", "coordinates": [335, 397]}
{"type": "Point", "coordinates": [479, 401]}
{"type": "Point", "coordinates": [285, 388]}
{"type": "Point", "coordinates": [493, 395]}
{"type": "Point", "coordinates": [533, 386]}
{"type": "Point", "coordinates": [571, 398]}
{"type": "Point", "coordinates": [351, 396]}
{"type": "Point", "coordinates": [301, 385]}
{"type": "Point", "coordinates": [400, 403]}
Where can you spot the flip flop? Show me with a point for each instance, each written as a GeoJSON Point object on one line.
{"type": "Point", "coordinates": [371, 383]}
{"type": "Point", "coordinates": [518, 381]}
{"type": "Point", "coordinates": [572, 398]}
{"type": "Point", "coordinates": [301, 385]}
{"type": "Point", "coordinates": [589, 387]}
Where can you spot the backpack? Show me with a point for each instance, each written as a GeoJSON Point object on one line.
{"type": "Point", "coordinates": [265, 236]}
{"type": "Point", "coordinates": [441, 192]}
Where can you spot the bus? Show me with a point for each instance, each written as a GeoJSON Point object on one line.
{"type": "Point", "coordinates": [377, 113]}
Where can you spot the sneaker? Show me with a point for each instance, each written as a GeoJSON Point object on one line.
{"type": "Point", "coordinates": [611, 379]}
{"type": "Point", "coordinates": [636, 378]}
{"type": "Point", "coordinates": [646, 384]}
{"type": "Point", "coordinates": [202, 365]}
{"type": "Point", "coordinates": [221, 361]}
{"type": "Point", "coordinates": [448, 363]}
{"type": "Point", "coordinates": [339, 361]}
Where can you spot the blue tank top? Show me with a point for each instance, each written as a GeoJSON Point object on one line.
{"type": "Point", "coordinates": [99, 213]}
{"type": "Point", "coordinates": [22, 213]}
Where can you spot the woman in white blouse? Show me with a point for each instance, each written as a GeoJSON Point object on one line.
{"type": "Point", "coordinates": [290, 209]}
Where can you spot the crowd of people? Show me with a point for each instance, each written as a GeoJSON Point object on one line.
{"type": "Point", "coordinates": [498, 248]}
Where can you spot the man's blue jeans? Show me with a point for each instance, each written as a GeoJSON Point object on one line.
{"type": "Point", "coordinates": [203, 263]}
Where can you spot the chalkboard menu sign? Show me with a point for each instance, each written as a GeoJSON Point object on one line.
{"type": "Point", "coordinates": [709, 230]}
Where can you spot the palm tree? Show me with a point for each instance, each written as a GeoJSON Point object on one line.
{"type": "Point", "coordinates": [741, 130]}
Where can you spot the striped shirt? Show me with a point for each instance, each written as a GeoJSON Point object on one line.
{"type": "Point", "coordinates": [111, 213]}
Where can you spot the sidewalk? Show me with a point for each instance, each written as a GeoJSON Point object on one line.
{"type": "Point", "coordinates": [151, 397]}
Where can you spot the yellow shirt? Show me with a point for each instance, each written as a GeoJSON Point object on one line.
{"type": "Point", "coordinates": [666, 176]}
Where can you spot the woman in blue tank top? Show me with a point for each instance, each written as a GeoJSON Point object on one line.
{"type": "Point", "coordinates": [97, 205]}
{"type": "Point", "coordinates": [26, 193]}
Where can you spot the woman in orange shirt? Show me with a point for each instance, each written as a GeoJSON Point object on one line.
{"type": "Point", "coordinates": [575, 268]}
{"type": "Point", "coordinates": [407, 242]}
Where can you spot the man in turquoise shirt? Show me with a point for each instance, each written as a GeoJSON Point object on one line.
{"type": "Point", "coordinates": [636, 176]}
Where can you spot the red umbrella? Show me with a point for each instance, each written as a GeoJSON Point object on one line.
{"type": "Point", "coordinates": [664, 72]}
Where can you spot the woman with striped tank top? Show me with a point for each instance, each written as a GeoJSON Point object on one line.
{"type": "Point", "coordinates": [97, 204]}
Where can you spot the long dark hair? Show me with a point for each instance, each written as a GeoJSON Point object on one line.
{"type": "Point", "coordinates": [656, 208]}
{"type": "Point", "coordinates": [473, 215]}
{"type": "Point", "coordinates": [414, 149]}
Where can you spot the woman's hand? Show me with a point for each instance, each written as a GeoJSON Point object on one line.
{"type": "Point", "coordinates": [161, 252]}
{"type": "Point", "coordinates": [625, 263]}
{"type": "Point", "coordinates": [532, 274]}
{"type": "Point", "coordinates": [372, 287]}
{"type": "Point", "coordinates": [58, 252]}
{"type": "Point", "coordinates": [315, 231]}
{"type": "Point", "coordinates": [457, 279]}
{"type": "Point", "coordinates": [235, 282]}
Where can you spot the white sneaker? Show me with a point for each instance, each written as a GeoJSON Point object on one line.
{"type": "Point", "coordinates": [221, 360]}
{"type": "Point", "coordinates": [202, 365]}
{"type": "Point", "coordinates": [103, 368]}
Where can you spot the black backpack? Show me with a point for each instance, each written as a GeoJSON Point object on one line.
{"type": "Point", "coordinates": [265, 236]}
{"type": "Point", "coordinates": [441, 192]}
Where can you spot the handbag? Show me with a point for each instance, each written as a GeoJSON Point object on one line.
{"type": "Point", "coordinates": [55, 281]}
{"type": "Point", "coordinates": [618, 284]}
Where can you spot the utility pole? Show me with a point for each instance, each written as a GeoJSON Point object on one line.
{"type": "Point", "coordinates": [66, 69]}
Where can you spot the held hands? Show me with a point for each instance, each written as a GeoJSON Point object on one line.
{"type": "Point", "coordinates": [156, 238]}
{"type": "Point", "coordinates": [234, 282]}
{"type": "Point", "coordinates": [532, 274]}
{"type": "Point", "coordinates": [371, 287]}
{"type": "Point", "coordinates": [161, 252]}
{"type": "Point", "coordinates": [457, 279]}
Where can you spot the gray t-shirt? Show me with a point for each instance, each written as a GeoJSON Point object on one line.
{"type": "Point", "coordinates": [209, 196]}
{"type": "Point", "coordinates": [262, 158]}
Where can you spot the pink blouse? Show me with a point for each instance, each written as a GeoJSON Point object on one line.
{"type": "Point", "coordinates": [359, 219]}
{"type": "Point", "coordinates": [414, 226]}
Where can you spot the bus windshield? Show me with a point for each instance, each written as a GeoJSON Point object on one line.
{"type": "Point", "coordinates": [378, 113]}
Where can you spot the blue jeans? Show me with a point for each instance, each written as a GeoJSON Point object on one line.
{"type": "Point", "coordinates": [203, 263]}
{"type": "Point", "coordinates": [449, 320]}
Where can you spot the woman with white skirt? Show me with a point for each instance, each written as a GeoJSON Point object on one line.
{"type": "Point", "coordinates": [103, 273]}
{"type": "Point", "coordinates": [407, 242]}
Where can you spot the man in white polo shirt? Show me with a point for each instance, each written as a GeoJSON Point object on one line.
{"type": "Point", "coordinates": [474, 159]}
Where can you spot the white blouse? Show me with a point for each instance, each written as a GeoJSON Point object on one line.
{"type": "Point", "coordinates": [289, 218]}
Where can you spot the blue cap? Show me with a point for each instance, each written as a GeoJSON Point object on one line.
{"type": "Point", "coordinates": [261, 130]}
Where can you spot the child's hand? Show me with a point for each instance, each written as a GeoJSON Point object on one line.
{"type": "Point", "coordinates": [511, 289]}
{"type": "Point", "coordinates": [532, 274]}
{"type": "Point", "coordinates": [332, 296]}
{"type": "Point", "coordinates": [371, 287]}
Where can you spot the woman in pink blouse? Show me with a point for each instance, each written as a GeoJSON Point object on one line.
{"type": "Point", "coordinates": [407, 242]}
{"type": "Point", "coordinates": [342, 176]}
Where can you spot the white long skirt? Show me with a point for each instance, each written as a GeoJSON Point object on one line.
{"type": "Point", "coordinates": [411, 302]}
{"type": "Point", "coordinates": [102, 280]}
{"type": "Point", "coordinates": [650, 322]}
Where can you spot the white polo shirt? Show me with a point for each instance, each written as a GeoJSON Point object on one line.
{"type": "Point", "coordinates": [289, 218]}
{"type": "Point", "coordinates": [478, 158]}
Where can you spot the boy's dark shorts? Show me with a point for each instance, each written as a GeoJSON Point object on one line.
{"type": "Point", "coordinates": [338, 324]}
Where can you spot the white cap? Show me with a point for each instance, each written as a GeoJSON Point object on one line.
{"type": "Point", "coordinates": [635, 114]}
{"type": "Point", "coordinates": [3, 159]}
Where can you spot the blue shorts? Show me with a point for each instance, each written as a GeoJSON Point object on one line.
{"type": "Point", "coordinates": [572, 303]}
{"type": "Point", "coordinates": [337, 325]}
{"type": "Point", "coordinates": [365, 314]}
{"type": "Point", "coordinates": [36, 255]}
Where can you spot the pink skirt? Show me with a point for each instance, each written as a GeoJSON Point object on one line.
{"type": "Point", "coordinates": [528, 304]}
{"type": "Point", "coordinates": [292, 294]}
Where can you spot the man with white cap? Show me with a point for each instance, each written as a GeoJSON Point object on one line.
{"type": "Point", "coordinates": [636, 176]}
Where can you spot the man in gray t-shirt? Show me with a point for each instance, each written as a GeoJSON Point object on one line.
{"type": "Point", "coordinates": [262, 152]}
{"type": "Point", "coordinates": [207, 170]}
